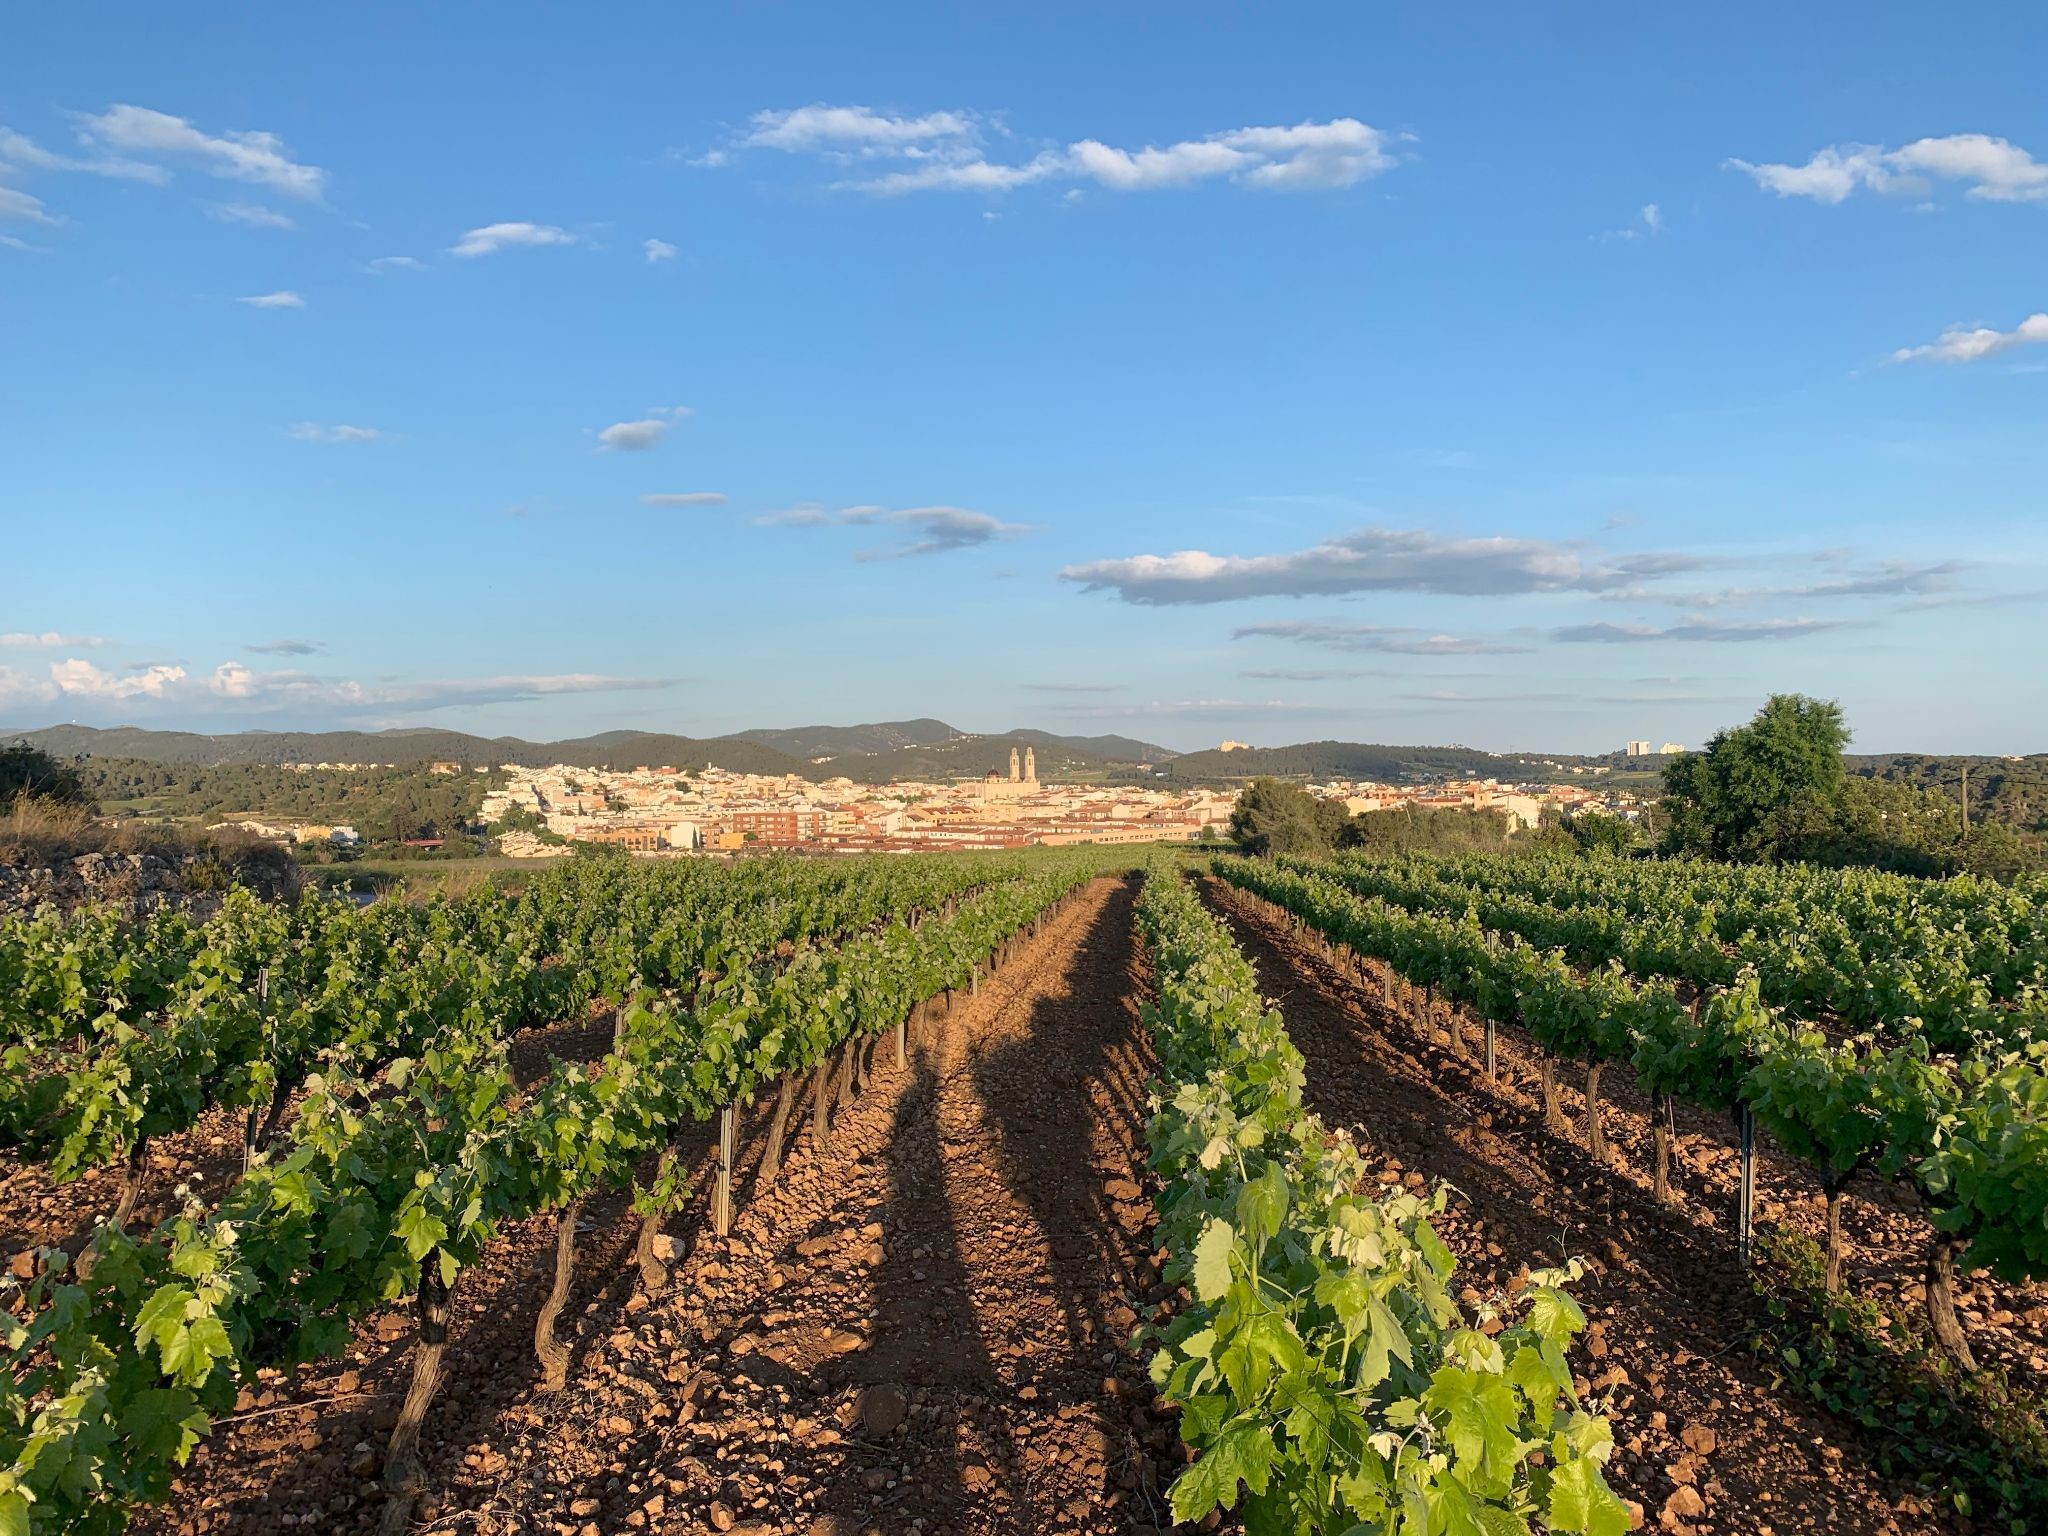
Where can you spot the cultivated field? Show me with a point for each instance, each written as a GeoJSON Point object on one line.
{"type": "Point", "coordinates": [1027, 1194]}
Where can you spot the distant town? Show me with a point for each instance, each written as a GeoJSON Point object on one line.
{"type": "Point", "coordinates": [663, 811]}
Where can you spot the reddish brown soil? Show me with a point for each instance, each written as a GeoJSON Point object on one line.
{"type": "Point", "coordinates": [37, 1212]}
{"type": "Point", "coordinates": [924, 1329]}
{"type": "Point", "coordinates": [1884, 1225]}
{"type": "Point", "coordinates": [1695, 1417]}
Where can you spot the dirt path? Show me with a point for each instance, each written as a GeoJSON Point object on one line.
{"type": "Point", "coordinates": [1706, 1443]}
{"type": "Point", "coordinates": [922, 1329]}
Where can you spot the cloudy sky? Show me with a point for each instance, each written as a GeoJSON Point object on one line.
{"type": "Point", "coordinates": [1268, 372]}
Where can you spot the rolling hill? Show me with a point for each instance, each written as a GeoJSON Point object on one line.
{"type": "Point", "coordinates": [852, 740]}
{"type": "Point", "coordinates": [971, 756]}
{"type": "Point", "coordinates": [909, 749]}
{"type": "Point", "coordinates": [1360, 760]}
{"type": "Point", "coordinates": [884, 752]}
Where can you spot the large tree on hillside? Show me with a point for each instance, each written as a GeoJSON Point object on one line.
{"type": "Point", "coordinates": [1771, 789]}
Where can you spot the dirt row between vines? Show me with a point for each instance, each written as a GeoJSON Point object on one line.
{"type": "Point", "coordinates": [203, 1162]}
{"type": "Point", "coordinates": [923, 1329]}
{"type": "Point", "coordinates": [1705, 1441]}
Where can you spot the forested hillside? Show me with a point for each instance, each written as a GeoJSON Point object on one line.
{"type": "Point", "coordinates": [378, 802]}
{"type": "Point", "coordinates": [2003, 789]}
{"type": "Point", "coordinates": [914, 749]}
{"type": "Point", "coordinates": [1361, 760]}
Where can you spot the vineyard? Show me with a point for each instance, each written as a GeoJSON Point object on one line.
{"type": "Point", "coordinates": [997, 1193]}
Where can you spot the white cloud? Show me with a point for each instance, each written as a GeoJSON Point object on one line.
{"type": "Point", "coordinates": [1695, 629]}
{"type": "Point", "coordinates": [253, 157]}
{"type": "Point", "coordinates": [1394, 640]}
{"type": "Point", "coordinates": [1339, 153]}
{"type": "Point", "coordinates": [683, 499]}
{"type": "Point", "coordinates": [633, 436]}
{"type": "Point", "coordinates": [283, 299]}
{"type": "Point", "coordinates": [255, 215]}
{"type": "Point", "coordinates": [1994, 170]}
{"type": "Point", "coordinates": [1829, 177]}
{"type": "Point", "coordinates": [823, 127]}
{"type": "Point", "coordinates": [806, 514]}
{"type": "Point", "coordinates": [942, 151]}
{"type": "Point", "coordinates": [79, 678]}
{"type": "Point", "coordinates": [49, 640]}
{"type": "Point", "coordinates": [341, 432]}
{"type": "Point", "coordinates": [235, 685]}
{"type": "Point", "coordinates": [639, 436]}
{"type": "Point", "coordinates": [658, 250]}
{"type": "Point", "coordinates": [1306, 157]}
{"type": "Point", "coordinates": [19, 687]}
{"type": "Point", "coordinates": [287, 647]}
{"type": "Point", "coordinates": [1372, 560]}
{"type": "Point", "coordinates": [1651, 224]}
{"type": "Point", "coordinates": [1892, 578]}
{"type": "Point", "coordinates": [934, 530]}
{"type": "Point", "coordinates": [1174, 166]}
{"type": "Point", "coordinates": [17, 204]}
{"type": "Point", "coordinates": [383, 264]}
{"type": "Point", "coordinates": [489, 238]}
{"type": "Point", "coordinates": [964, 176]}
{"type": "Point", "coordinates": [233, 681]}
{"type": "Point", "coordinates": [1966, 344]}
{"type": "Point", "coordinates": [18, 149]}
{"type": "Point", "coordinates": [938, 530]}
{"type": "Point", "coordinates": [1998, 171]}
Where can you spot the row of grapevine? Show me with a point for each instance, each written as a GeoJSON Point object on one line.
{"type": "Point", "coordinates": [1322, 1367]}
{"type": "Point", "coordinates": [391, 1184]}
{"type": "Point", "coordinates": [259, 997]}
{"type": "Point", "coordinates": [1962, 959]}
{"type": "Point", "coordinates": [1970, 1135]}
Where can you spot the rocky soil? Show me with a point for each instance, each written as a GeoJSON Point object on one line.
{"type": "Point", "coordinates": [1707, 1441]}
{"type": "Point", "coordinates": [925, 1328]}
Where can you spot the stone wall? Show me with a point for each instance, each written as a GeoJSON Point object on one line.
{"type": "Point", "coordinates": [140, 882]}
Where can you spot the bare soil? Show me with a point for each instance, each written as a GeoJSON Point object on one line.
{"type": "Point", "coordinates": [1706, 1441]}
{"type": "Point", "coordinates": [925, 1328]}
{"type": "Point", "coordinates": [200, 1163]}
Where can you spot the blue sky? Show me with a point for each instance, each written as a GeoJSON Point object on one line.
{"type": "Point", "coordinates": [1515, 375]}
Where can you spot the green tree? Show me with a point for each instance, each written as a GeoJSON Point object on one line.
{"type": "Point", "coordinates": [27, 771]}
{"type": "Point", "coordinates": [1596, 834]}
{"type": "Point", "coordinates": [1428, 829]}
{"type": "Point", "coordinates": [1771, 789]}
{"type": "Point", "coordinates": [1274, 817]}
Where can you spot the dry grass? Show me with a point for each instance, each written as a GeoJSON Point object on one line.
{"type": "Point", "coordinates": [459, 881]}
{"type": "Point", "coordinates": [35, 833]}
